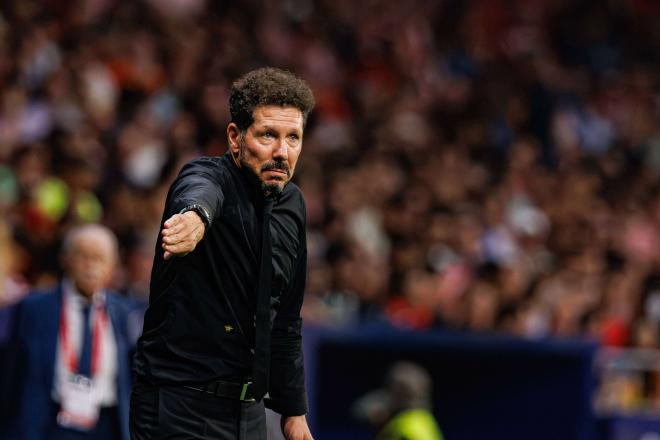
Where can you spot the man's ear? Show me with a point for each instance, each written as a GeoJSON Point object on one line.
{"type": "Point", "coordinates": [234, 139]}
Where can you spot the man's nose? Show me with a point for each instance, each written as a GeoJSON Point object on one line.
{"type": "Point", "coordinates": [280, 151]}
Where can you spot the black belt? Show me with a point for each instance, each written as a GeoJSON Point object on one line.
{"type": "Point", "coordinates": [229, 390]}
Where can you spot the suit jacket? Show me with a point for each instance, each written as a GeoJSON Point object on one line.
{"type": "Point", "coordinates": [36, 349]}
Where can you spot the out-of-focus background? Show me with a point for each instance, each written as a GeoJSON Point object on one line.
{"type": "Point", "coordinates": [482, 182]}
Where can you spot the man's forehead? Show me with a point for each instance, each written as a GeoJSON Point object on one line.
{"type": "Point", "coordinates": [273, 114]}
{"type": "Point", "coordinates": [92, 240]}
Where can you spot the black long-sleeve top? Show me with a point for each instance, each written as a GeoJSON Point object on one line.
{"type": "Point", "coordinates": [200, 324]}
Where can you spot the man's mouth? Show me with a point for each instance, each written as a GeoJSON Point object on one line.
{"type": "Point", "coordinates": [275, 175]}
{"type": "Point", "coordinates": [279, 169]}
{"type": "Point", "coordinates": [282, 172]}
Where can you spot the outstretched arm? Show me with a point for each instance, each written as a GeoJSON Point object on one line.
{"type": "Point", "coordinates": [194, 200]}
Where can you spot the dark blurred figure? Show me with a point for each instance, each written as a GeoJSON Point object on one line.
{"type": "Point", "coordinates": [401, 410]}
{"type": "Point", "coordinates": [72, 348]}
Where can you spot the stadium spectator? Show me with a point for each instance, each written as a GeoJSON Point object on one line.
{"type": "Point", "coordinates": [71, 371]}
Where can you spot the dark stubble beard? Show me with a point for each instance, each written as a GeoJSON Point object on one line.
{"type": "Point", "coordinates": [268, 189]}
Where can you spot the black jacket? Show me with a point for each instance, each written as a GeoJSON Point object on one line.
{"type": "Point", "coordinates": [200, 324]}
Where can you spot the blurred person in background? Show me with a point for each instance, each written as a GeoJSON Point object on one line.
{"type": "Point", "coordinates": [223, 326]}
{"type": "Point", "coordinates": [402, 409]}
{"type": "Point", "coordinates": [73, 348]}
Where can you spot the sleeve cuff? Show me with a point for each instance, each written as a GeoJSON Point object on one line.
{"type": "Point", "coordinates": [296, 406]}
{"type": "Point", "coordinates": [201, 211]}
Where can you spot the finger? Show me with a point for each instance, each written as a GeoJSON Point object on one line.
{"type": "Point", "coordinates": [175, 229]}
{"type": "Point", "coordinates": [168, 255]}
{"type": "Point", "coordinates": [172, 239]}
{"type": "Point", "coordinates": [173, 248]}
{"type": "Point", "coordinates": [178, 248]}
{"type": "Point", "coordinates": [179, 239]}
{"type": "Point", "coordinates": [172, 221]}
{"type": "Point", "coordinates": [182, 231]}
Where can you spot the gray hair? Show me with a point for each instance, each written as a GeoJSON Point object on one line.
{"type": "Point", "coordinates": [87, 230]}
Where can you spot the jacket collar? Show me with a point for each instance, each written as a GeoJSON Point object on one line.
{"type": "Point", "coordinates": [252, 183]}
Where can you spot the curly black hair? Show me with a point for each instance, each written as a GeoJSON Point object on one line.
{"type": "Point", "coordinates": [268, 86]}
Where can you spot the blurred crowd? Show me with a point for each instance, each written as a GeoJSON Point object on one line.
{"type": "Point", "coordinates": [489, 166]}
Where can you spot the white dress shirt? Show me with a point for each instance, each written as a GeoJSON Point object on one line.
{"type": "Point", "coordinates": [105, 378]}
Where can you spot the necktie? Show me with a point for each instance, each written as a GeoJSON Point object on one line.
{"type": "Point", "coordinates": [261, 369]}
{"type": "Point", "coordinates": [85, 362]}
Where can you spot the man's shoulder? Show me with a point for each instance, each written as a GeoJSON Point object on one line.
{"type": "Point", "coordinates": [293, 194]}
{"type": "Point", "coordinates": [38, 299]}
{"type": "Point", "coordinates": [35, 311]}
{"type": "Point", "coordinates": [292, 202]}
{"type": "Point", "coordinates": [213, 167]}
{"type": "Point", "coordinates": [207, 160]}
{"type": "Point", "coordinates": [209, 163]}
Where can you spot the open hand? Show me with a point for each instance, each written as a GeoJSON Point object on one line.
{"type": "Point", "coordinates": [181, 233]}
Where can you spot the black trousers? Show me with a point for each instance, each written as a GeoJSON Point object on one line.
{"type": "Point", "coordinates": [176, 412]}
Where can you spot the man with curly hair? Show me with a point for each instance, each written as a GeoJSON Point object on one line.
{"type": "Point", "coordinates": [222, 334]}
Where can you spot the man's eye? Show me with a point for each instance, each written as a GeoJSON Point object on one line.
{"type": "Point", "coordinates": [268, 135]}
{"type": "Point", "coordinates": [293, 137]}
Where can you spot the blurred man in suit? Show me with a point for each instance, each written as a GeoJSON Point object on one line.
{"type": "Point", "coordinates": [73, 347]}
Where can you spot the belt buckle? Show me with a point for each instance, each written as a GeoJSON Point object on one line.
{"type": "Point", "coordinates": [244, 390]}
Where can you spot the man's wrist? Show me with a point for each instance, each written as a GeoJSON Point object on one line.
{"type": "Point", "coordinates": [201, 211]}
{"type": "Point", "coordinates": [292, 405]}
